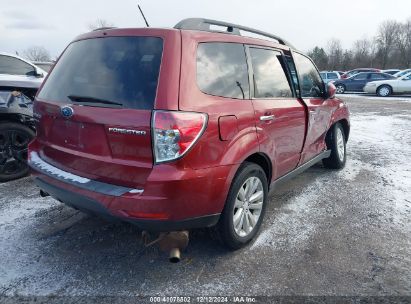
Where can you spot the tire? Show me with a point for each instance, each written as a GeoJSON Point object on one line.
{"type": "Point", "coordinates": [14, 138]}
{"type": "Point", "coordinates": [236, 238]}
{"type": "Point", "coordinates": [336, 142]}
{"type": "Point", "coordinates": [340, 89]}
{"type": "Point", "coordinates": [384, 91]}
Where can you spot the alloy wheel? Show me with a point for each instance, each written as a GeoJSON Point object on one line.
{"type": "Point", "coordinates": [13, 151]}
{"type": "Point", "coordinates": [340, 89]}
{"type": "Point", "coordinates": [248, 206]}
{"type": "Point", "coordinates": [340, 144]}
{"type": "Point", "coordinates": [384, 91]}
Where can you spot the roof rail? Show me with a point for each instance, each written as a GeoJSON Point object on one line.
{"type": "Point", "coordinates": [201, 24]}
{"type": "Point", "coordinates": [104, 28]}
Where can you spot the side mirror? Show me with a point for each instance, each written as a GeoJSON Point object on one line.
{"type": "Point", "coordinates": [330, 90]}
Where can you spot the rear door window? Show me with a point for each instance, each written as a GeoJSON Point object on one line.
{"type": "Point", "coordinates": [270, 80]}
{"type": "Point", "coordinates": [222, 70]}
{"type": "Point", "coordinates": [120, 70]}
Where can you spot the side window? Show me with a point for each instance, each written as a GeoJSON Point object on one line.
{"type": "Point", "coordinates": [377, 76]}
{"type": "Point", "coordinates": [361, 76]}
{"type": "Point", "coordinates": [332, 76]}
{"type": "Point", "coordinates": [14, 66]}
{"type": "Point", "coordinates": [323, 75]}
{"type": "Point", "coordinates": [270, 80]}
{"type": "Point", "coordinates": [310, 81]}
{"type": "Point", "coordinates": [222, 70]}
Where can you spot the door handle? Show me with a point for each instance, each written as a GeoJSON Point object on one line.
{"type": "Point", "coordinates": [313, 112]}
{"type": "Point", "coordinates": [267, 118]}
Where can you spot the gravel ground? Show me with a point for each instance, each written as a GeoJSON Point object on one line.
{"type": "Point", "coordinates": [326, 233]}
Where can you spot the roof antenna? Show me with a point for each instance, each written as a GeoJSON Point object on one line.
{"type": "Point", "coordinates": [141, 11]}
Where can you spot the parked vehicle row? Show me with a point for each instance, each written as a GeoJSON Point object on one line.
{"type": "Point", "coordinates": [173, 129]}
{"type": "Point", "coordinates": [357, 82]}
{"type": "Point", "coordinates": [383, 83]}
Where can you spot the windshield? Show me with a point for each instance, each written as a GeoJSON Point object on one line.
{"type": "Point", "coordinates": [120, 70]}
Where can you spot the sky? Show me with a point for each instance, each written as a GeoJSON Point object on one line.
{"type": "Point", "coordinates": [54, 23]}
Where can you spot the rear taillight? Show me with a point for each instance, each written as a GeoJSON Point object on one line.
{"type": "Point", "coordinates": [174, 133]}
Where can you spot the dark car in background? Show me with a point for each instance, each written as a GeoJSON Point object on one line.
{"type": "Point", "coordinates": [356, 71]}
{"type": "Point", "coordinates": [16, 131]}
{"type": "Point", "coordinates": [357, 82]}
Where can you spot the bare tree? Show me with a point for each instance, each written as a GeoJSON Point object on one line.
{"type": "Point", "coordinates": [99, 23]}
{"type": "Point", "coordinates": [373, 51]}
{"type": "Point", "coordinates": [386, 39]}
{"type": "Point", "coordinates": [361, 52]}
{"type": "Point", "coordinates": [347, 61]}
{"type": "Point", "coordinates": [335, 54]}
{"type": "Point", "coordinates": [404, 44]}
{"type": "Point", "coordinates": [37, 53]}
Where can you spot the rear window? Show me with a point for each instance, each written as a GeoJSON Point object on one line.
{"type": "Point", "coordinates": [222, 70]}
{"type": "Point", "coordinates": [121, 70]}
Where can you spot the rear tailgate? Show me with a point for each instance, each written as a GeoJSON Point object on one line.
{"type": "Point", "coordinates": [92, 144]}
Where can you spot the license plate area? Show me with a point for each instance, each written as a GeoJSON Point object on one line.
{"type": "Point", "coordinates": [68, 134]}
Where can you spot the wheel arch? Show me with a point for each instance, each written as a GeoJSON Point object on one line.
{"type": "Point", "coordinates": [264, 162]}
{"type": "Point", "coordinates": [345, 125]}
{"type": "Point", "coordinates": [385, 85]}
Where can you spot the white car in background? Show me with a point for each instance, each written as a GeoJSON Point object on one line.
{"type": "Point", "coordinates": [402, 73]}
{"type": "Point", "coordinates": [19, 74]}
{"type": "Point", "coordinates": [391, 71]}
{"type": "Point", "coordinates": [384, 88]}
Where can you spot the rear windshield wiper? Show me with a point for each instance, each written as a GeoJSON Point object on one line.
{"type": "Point", "coordinates": [88, 99]}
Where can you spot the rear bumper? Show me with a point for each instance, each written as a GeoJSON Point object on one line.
{"type": "Point", "coordinates": [87, 204]}
{"type": "Point", "coordinates": [172, 199]}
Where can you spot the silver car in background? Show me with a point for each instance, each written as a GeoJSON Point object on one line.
{"type": "Point", "coordinates": [384, 88]}
{"type": "Point", "coordinates": [328, 76]}
{"type": "Point", "coordinates": [19, 74]}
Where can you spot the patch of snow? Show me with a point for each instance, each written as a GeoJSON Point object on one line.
{"type": "Point", "coordinates": [292, 226]}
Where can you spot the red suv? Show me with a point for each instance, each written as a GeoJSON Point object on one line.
{"type": "Point", "coordinates": [173, 129]}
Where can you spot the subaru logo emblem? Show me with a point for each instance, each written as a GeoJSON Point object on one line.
{"type": "Point", "coordinates": [67, 111]}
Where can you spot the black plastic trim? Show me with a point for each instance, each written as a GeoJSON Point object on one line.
{"type": "Point", "coordinates": [300, 169]}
